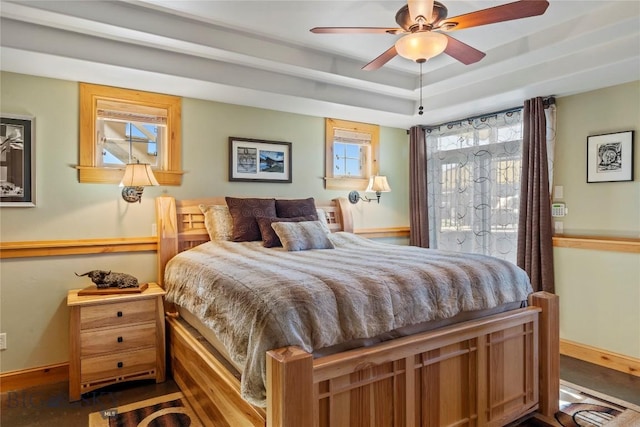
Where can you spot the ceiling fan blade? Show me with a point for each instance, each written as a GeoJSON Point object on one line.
{"type": "Point", "coordinates": [387, 56]}
{"type": "Point", "coordinates": [505, 12]}
{"type": "Point", "coordinates": [355, 30]}
{"type": "Point", "coordinates": [462, 51]}
{"type": "Point", "coordinates": [422, 8]}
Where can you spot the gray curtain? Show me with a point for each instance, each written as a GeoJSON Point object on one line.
{"type": "Point", "coordinates": [418, 216]}
{"type": "Point", "coordinates": [535, 246]}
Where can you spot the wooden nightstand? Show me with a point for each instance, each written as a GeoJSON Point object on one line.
{"type": "Point", "coordinates": [115, 338]}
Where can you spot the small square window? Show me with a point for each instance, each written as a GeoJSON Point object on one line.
{"type": "Point", "coordinates": [120, 126]}
{"type": "Point", "coordinates": [352, 151]}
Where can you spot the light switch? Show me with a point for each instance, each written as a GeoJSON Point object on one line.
{"type": "Point", "coordinates": [558, 227]}
{"type": "Point", "coordinates": [558, 192]}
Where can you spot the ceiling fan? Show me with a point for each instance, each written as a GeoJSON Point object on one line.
{"type": "Point", "coordinates": [423, 23]}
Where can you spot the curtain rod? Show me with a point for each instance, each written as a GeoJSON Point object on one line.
{"type": "Point", "coordinates": [547, 101]}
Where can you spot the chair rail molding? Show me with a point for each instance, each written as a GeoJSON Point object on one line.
{"type": "Point", "coordinates": [615, 244]}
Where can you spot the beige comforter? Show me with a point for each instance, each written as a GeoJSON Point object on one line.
{"type": "Point", "coordinates": [256, 299]}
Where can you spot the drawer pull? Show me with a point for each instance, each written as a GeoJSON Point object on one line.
{"type": "Point", "coordinates": [120, 364]}
{"type": "Point", "coordinates": [120, 339]}
{"type": "Point", "coordinates": [119, 314]}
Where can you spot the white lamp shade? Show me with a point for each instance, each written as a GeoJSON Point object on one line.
{"type": "Point", "coordinates": [421, 46]}
{"type": "Point", "coordinates": [378, 183]}
{"type": "Point", "coordinates": [138, 175]}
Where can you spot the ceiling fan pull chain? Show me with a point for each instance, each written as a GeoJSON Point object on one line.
{"type": "Point", "coordinates": [420, 108]}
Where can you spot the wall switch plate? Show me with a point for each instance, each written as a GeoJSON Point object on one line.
{"type": "Point", "coordinates": [154, 229]}
{"type": "Point", "coordinates": [3, 341]}
{"type": "Point", "coordinates": [558, 227]}
{"type": "Point", "coordinates": [558, 192]}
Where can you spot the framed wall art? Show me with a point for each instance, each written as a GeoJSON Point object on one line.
{"type": "Point", "coordinates": [610, 157]}
{"type": "Point", "coordinates": [259, 161]}
{"type": "Point", "coordinates": [17, 161]}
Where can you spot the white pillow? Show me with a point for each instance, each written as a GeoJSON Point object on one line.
{"type": "Point", "coordinates": [322, 217]}
{"type": "Point", "coordinates": [217, 221]}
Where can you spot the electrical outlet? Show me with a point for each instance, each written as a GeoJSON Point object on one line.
{"type": "Point", "coordinates": [3, 341]}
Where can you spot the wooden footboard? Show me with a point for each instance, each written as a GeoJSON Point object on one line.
{"type": "Point", "coordinates": [485, 372]}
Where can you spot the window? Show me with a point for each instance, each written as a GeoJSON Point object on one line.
{"type": "Point", "coordinates": [352, 151]}
{"type": "Point", "coordinates": [473, 183]}
{"type": "Point", "coordinates": [120, 126]}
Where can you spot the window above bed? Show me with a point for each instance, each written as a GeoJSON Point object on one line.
{"type": "Point", "coordinates": [352, 150]}
{"type": "Point", "coordinates": [120, 126]}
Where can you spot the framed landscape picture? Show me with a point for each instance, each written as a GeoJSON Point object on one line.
{"type": "Point", "coordinates": [17, 161]}
{"type": "Point", "coordinates": [258, 160]}
{"type": "Point", "coordinates": [610, 157]}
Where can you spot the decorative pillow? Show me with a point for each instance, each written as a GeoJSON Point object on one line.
{"type": "Point", "coordinates": [217, 221]}
{"type": "Point", "coordinates": [244, 212]}
{"type": "Point", "coordinates": [300, 236]}
{"type": "Point", "coordinates": [296, 207]}
{"type": "Point", "coordinates": [322, 216]}
{"type": "Point", "coordinates": [269, 237]}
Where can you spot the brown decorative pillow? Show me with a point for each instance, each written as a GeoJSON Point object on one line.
{"type": "Point", "coordinates": [269, 237]}
{"type": "Point", "coordinates": [296, 207]}
{"type": "Point", "coordinates": [300, 236]}
{"type": "Point", "coordinates": [244, 212]}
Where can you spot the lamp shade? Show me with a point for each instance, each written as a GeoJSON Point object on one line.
{"type": "Point", "coordinates": [421, 46]}
{"type": "Point", "coordinates": [378, 183]}
{"type": "Point", "coordinates": [138, 175]}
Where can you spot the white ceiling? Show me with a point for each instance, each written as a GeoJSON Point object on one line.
{"type": "Point", "coordinates": [261, 53]}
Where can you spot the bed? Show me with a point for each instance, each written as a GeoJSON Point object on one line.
{"type": "Point", "coordinates": [488, 370]}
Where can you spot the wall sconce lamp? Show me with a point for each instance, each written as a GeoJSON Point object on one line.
{"type": "Point", "coordinates": [136, 177]}
{"type": "Point", "coordinates": [377, 184]}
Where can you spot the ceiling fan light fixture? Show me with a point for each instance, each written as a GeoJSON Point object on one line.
{"type": "Point", "coordinates": [421, 46]}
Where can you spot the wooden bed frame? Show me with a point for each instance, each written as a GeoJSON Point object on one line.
{"type": "Point", "coordinates": [484, 372]}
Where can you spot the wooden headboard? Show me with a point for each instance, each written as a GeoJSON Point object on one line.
{"type": "Point", "coordinates": [181, 224]}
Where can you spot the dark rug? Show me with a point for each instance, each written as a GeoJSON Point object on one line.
{"type": "Point", "coordinates": [170, 410]}
{"type": "Point", "coordinates": [581, 407]}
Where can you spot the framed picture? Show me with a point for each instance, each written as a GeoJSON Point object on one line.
{"type": "Point", "coordinates": [610, 157]}
{"type": "Point", "coordinates": [258, 160]}
{"type": "Point", "coordinates": [17, 161]}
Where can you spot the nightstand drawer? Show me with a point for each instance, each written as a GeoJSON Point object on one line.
{"type": "Point", "coordinates": [117, 340]}
{"type": "Point", "coordinates": [119, 313]}
{"type": "Point", "coordinates": [117, 365]}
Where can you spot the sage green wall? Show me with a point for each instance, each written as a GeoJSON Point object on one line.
{"type": "Point", "coordinates": [599, 291]}
{"type": "Point", "coordinates": [33, 309]}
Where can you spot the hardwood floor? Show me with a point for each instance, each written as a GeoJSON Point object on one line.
{"type": "Point", "coordinates": [613, 383]}
{"type": "Point", "coordinates": [49, 405]}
